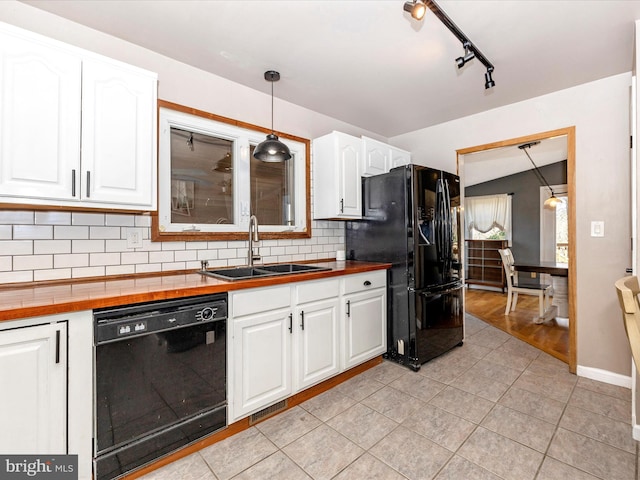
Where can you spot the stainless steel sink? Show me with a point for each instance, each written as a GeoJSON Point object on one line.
{"type": "Point", "coordinates": [292, 268]}
{"type": "Point", "coordinates": [244, 273]}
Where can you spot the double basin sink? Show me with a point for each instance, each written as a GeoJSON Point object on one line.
{"type": "Point", "coordinates": [244, 273]}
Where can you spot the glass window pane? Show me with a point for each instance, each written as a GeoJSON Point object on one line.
{"type": "Point", "coordinates": [562, 230]}
{"type": "Point", "coordinates": [201, 178]}
{"type": "Point", "coordinates": [272, 191]}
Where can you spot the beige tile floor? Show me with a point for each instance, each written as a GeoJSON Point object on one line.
{"type": "Point", "coordinates": [495, 408]}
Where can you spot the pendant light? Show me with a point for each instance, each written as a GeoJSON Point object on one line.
{"type": "Point", "coordinates": [272, 150]}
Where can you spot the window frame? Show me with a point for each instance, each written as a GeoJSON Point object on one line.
{"type": "Point", "coordinates": [179, 116]}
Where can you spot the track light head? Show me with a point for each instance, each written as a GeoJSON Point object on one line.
{"type": "Point", "coordinates": [469, 54]}
{"type": "Point", "coordinates": [417, 8]}
{"type": "Point", "coordinates": [488, 81]}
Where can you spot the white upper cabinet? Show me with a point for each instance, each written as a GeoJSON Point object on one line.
{"type": "Point", "coordinates": [379, 157]}
{"type": "Point", "coordinates": [118, 135]}
{"type": "Point", "coordinates": [39, 119]}
{"type": "Point", "coordinates": [76, 129]}
{"type": "Point", "coordinates": [336, 167]}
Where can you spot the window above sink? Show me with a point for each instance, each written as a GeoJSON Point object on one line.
{"type": "Point", "coordinates": [210, 183]}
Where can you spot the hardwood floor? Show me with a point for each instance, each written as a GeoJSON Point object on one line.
{"type": "Point", "coordinates": [551, 337]}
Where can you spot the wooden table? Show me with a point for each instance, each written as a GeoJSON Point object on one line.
{"type": "Point", "coordinates": [559, 273]}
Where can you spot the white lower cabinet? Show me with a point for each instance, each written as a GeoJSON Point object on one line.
{"type": "Point", "coordinates": [288, 338]}
{"type": "Point", "coordinates": [33, 375]}
{"type": "Point", "coordinates": [46, 377]}
{"type": "Point", "coordinates": [317, 349]}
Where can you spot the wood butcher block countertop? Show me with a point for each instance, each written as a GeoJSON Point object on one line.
{"type": "Point", "coordinates": [46, 299]}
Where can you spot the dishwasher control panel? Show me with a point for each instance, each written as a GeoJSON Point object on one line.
{"type": "Point", "coordinates": [112, 324]}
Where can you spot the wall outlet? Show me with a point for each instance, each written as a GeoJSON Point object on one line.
{"type": "Point", "coordinates": [534, 275]}
{"type": "Point", "coordinates": [134, 238]}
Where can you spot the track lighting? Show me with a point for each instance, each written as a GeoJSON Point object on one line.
{"type": "Point", "coordinates": [552, 201]}
{"type": "Point", "coordinates": [488, 81]}
{"type": "Point", "coordinates": [271, 149]}
{"type": "Point", "coordinates": [416, 8]}
{"type": "Point", "coordinates": [468, 55]}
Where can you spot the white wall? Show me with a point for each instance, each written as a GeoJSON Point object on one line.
{"type": "Point", "coordinates": [600, 113]}
{"type": "Point", "coordinates": [59, 245]}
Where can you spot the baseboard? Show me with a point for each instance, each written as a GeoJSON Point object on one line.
{"type": "Point", "coordinates": [604, 376]}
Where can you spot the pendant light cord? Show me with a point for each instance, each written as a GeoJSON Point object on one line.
{"type": "Point", "coordinates": [538, 172]}
{"type": "Point", "coordinates": [271, 106]}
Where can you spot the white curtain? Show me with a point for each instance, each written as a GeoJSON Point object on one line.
{"type": "Point", "coordinates": [488, 211]}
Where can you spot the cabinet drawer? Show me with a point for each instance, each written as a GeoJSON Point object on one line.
{"type": "Point", "coordinates": [313, 291]}
{"type": "Point", "coordinates": [246, 302]}
{"type": "Point", "coordinates": [365, 281]}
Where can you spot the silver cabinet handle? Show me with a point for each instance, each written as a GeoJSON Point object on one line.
{"type": "Point", "coordinates": [88, 184]}
{"type": "Point", "coordinates": [73, 182]}
{"type": "Point", "coordinates": [348, 308]}
{"type": "Point", "coordinates": [302, 319]}
{"type": "Point", "coordinates": [291, 323]}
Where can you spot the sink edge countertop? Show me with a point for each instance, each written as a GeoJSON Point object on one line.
{"type": "Point", "coordinates": [48, 299]}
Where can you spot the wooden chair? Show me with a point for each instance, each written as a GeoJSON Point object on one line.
{"type": "Point", "coordinates": [541, 291]}
{"type": "Point", "coordinates": [628, 291]}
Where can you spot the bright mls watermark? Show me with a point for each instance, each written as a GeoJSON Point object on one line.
{"type": "Point", "coordinates": [39, 467]}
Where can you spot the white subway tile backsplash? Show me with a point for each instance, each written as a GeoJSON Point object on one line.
{"type": "Point", "coordinates": [186, 256]}
{"type": "Point", "coordinates": [16, 247]}
{"type": "Point", "coordinates": [161, 257]}
{"type": "Point", "coordinates": [52, 274]}
{"type": "Point", "coordinates": [127, 258]}
{"type": "Point", "coordinates": [16, 277]}
{"type": "Point", "coordinates": [104, 233]}
{"type": "Point", "coordinates": [87, 218]}
{"type": "Point", "coordinates": [32, 262]}
{"type": "Point", "coordinates": [53, 218]}
{"type": "Point", "coordinates": [173, 245]}
{"type": "Point", "coordinates": [41, 247]}
{"type": "Point", "coordinates": [103, 259]}
{"type": "Point", "coordinates": [120, 269]}
{"type": "Point", "coordinates": [71, 232]}
{"type": "Point", "coordinates": [10, 217]}
{"type": "Point", "coordinates": [114, 220]}
{"type": "Point", "coordinates": [143, 221]}
{"type": "Point", "coordinates": [71, 260]}
{"type": "Point", "coordinates": [87, 246]}
{"type": "Point", "coordinates": [148, 267]}
{"type": "Point", "coordinates": [5, 264]}
{"type": "Point", "coordinates": [167, 267]}
{"type": "Point", "coordinates": [31, 232]}
{"type": "Point", "coordinates": [116, 246]}
{"type": "Point", "coordinates": [83, 272]}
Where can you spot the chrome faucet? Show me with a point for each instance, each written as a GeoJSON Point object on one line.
{"type": "Point", "coordinates": [253, 237]}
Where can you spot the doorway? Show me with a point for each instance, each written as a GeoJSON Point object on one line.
{"type": "Point", "coordinates": [569, 134]}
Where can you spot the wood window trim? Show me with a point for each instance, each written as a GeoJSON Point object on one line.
{"type": "Point", "coordinates": [159, 236]}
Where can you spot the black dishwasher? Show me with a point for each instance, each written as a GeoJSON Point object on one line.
{"type": "Point", "coordinates": [160, 379]}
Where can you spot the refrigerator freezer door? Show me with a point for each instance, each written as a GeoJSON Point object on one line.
{"type": "Point", "coordinates": [439, 322]}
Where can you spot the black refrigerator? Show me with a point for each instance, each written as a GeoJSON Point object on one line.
{"type": "Point", "coordinates": [411, 219]}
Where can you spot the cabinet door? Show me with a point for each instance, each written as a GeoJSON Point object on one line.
{"type": "Point", "coordinates": [39, 119]}
{"type": "Point", "coordinates": [365, 326]}
{"type": "Point", "coordinates": [398, 158]}
{"type": "Point", "coordinates": [262, 360]}
{"type": "Point", "coordinates": [317, 350]}
{"type": "Point", "coordinates": [376, 158]}
{"type": "Point", "coordinates": [349, 181]}
{"type": "Point", "coordinates": [118, 135]}
{"type": "Point", "coordinates": [33, 375]}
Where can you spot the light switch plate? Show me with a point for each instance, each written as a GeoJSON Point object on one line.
{"type": "Point", "coordinates": [597, 229]}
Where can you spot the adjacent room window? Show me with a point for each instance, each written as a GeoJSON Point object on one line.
{"type": "Point", "coordinates": [488, 217]}
{"type": "Point", "coordinates": [210, 183]}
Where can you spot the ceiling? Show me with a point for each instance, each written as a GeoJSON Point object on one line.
{"type": "Point", "coordinates": [367, 62]}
